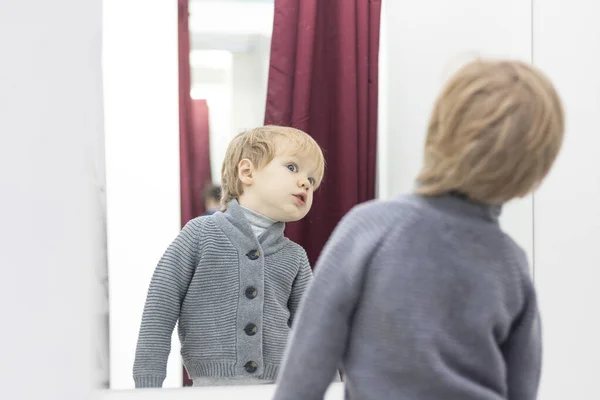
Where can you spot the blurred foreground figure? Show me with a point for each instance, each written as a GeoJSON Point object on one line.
{"type": "Point", "coordinates": [424, 297]}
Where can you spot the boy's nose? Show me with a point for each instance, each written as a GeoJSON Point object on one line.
{"type": "Point", "coordinates": [303, 183]}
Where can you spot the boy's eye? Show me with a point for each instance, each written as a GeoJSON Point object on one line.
{"type": "Point", "coordinates": [292, 167]}
{"type": "Point", "coordinates": [312, 181]}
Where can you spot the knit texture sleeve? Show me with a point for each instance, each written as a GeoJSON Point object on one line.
{"type": "Point", "coordinates": [523, 350]}
{"type": "Point", "coordinates": [301, 283]}
{"type": "Point", "coordinates": [167, 291]}
{"type": "Point", "coordinates": [319, 333]}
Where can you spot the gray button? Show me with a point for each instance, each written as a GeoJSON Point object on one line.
{"type": "Point", "coordinates": [251, 367]}
{"type": "Point", "coordinates": [251, 329]}
{"type": "Point", "coordinates": [253, 254]}
{"type": "Point", "coordinates": [251, 292]}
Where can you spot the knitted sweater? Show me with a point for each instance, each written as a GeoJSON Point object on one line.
{"type": "Point", "coordinates": [235, 297]}
{"type": "Point", "coordinates": [421, 298]}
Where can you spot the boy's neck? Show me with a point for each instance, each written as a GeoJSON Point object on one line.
{"type": "Point", "coordinates": [265, 220]}
{"type": "Point", "coordinates": [249, 203]}
{"type": "Point", "coordinates": [258, 222]}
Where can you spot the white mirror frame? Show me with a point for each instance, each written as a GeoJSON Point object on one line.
{"type": "Point", "coordinates": [262, 392]}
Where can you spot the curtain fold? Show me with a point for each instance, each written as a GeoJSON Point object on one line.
{"type": "Point", "coordinates": [323, 79]}
{"type": "Point", "coordinates": [194, 147]}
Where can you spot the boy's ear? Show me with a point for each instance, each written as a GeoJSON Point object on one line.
{"type": "Point", "coordinates": [246, 171]}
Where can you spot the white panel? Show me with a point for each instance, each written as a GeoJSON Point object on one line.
{"type": "Point", "coordinates": [142, 166]}
{"type": "Point", "coordinates": [567, 216]}
{"type": "Point", "coordinates": [423, 43]}
{"type": "Point", "coordinates": [51, 222]}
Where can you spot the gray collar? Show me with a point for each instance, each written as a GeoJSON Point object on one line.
{"type": "Point", "coordinates": [234, 224]}
{"type": "Point", "coordinates": [460, 204]}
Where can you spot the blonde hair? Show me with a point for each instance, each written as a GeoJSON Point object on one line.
{"type": "Point", "coordinates": [261, 145]}
{"type": "Point", "coordinates": [494, 133]}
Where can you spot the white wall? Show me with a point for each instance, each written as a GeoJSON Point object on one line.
{"type": "Point", "coordinates": [235, 92]}
{"type": "Point", "coordinates": [213, 16]}
{"type": "Point", "coordinates": [50, 208]}
{"type": "Point", "coordinates": [567, 217]}
{"type": "Point", "coordinates": [249, 89]}
{"type": "Point", "coordinates": [217, 89]}
{"type": "Point", "coordinates": [142, 166]}
{"type": "Point", "coordinates": [422, 44]}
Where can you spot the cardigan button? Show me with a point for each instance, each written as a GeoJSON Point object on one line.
{"type": "Point", "coordinates": [251, 329]}
{"type": "Point", "coordinates": [251, 367]}
{"type": "Point", "coordinates": [253, 254]}
{"type": "Point", "coordinates": [251, 292]}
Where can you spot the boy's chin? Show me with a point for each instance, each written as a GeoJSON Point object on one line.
{"type": "Point", "coordinates": [293, 216]}
{"type": "Point", "coordinates": [293, 219]}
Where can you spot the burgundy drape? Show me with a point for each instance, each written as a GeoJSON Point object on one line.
{"type": "Point", "coordinates": [193, 131]}
{"type": "Point", "coordinates": [194, 150]}
{"type": "Point", "coordinates": [195, 162]}
{"type": "Point", "coordinates": [323, 80]}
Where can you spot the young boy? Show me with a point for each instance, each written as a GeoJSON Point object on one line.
{"type": "Point", "coordinates": [231, 279]}
{"type": "Point", "coordinates": [424, 297]}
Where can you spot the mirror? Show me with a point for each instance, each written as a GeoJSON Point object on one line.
{"type": "Point", "coordinates": [229, 53]}
{"type": "Point", "coordinates": [150, 146]}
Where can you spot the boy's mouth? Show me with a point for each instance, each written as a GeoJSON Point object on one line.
{"type": "Point", "coordinates": [300, 198]}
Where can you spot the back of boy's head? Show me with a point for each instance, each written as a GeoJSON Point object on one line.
{"type": "Point", "coordinates": [494, 133]}
{"type": "Point", "coordinates": [261, 145]}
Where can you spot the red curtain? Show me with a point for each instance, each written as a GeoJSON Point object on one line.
{"type": "Point", "coordinates": [194, 150]}
{"type": "Point", "coordinates": [323, 80]}
{"type": "Point", "coordinates": [194, 146]}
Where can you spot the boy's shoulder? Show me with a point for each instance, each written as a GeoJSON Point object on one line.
{"type": "Point", "coordinates": [200, 222]}
{"type": "Point", "coordinates": [201, 227]}
{"type": "Point", "coordinates": [293, 249]}
{"type": "Point", "coordinates": [517, 256]}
